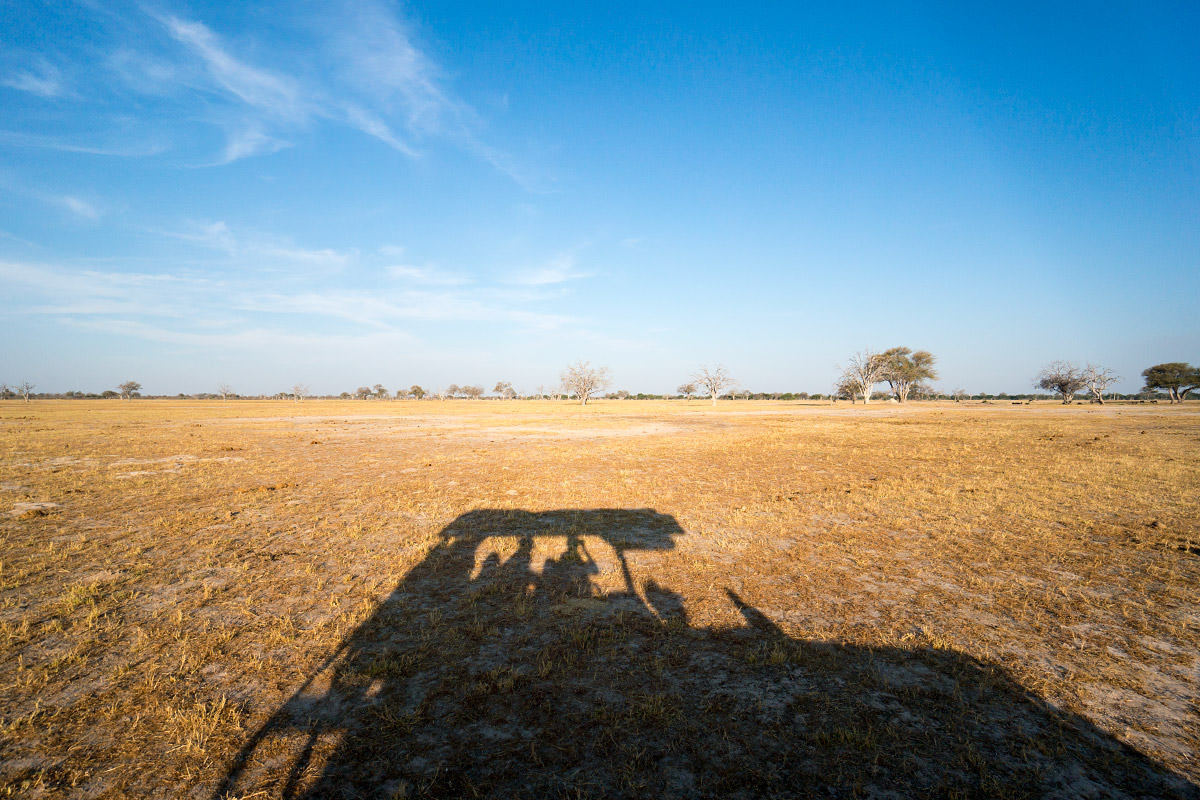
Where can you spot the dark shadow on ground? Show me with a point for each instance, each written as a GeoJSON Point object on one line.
{"type": "Point", "coordinates": [483, 676]}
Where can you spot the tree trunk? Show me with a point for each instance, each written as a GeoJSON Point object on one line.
{"type": "Point", "coordinates": [714, 399]}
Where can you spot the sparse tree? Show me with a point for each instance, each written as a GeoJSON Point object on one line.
{"type": "Point", "coordinates": [380, 392]}
{"type": "Point", "coordinates": [687, 390]}
{"type": "Point", "coordinates": [25, 389]}
{"type": "Point", "coordinates": [959, 395]}
{"type": "Point", "coordinates": [713, 381]}
{"type": "Point", "coordinates": [472, 392]}
{"type": "Point", "coordinates": [299, 392]}
{"type": "Point", "coordinates": [1061, 377]}
{"type": "Point", "coordinates": [416, 391]}
{"type": "Point", "coordinates": [128, 389]}
{"type": "Point", "coordinates": [1097, 379]}
{"type": "Point", "coordinates": [903, 369]}
{"type": "Point", "coordinates": [225, 390]}
{"type": "Point", "coordinates": [453, 390]}
{"type": "Point", "coordinates": [845, 389]}
{"type": "Point", "coordinates": [862, 372]}
{"type": "Point", "coordinates": [362, 392]}
{"type": "Point", "coordinates": [505, 390]}
{"type": "Point", "coordinates": [1177, 377]}
{"type": "Point", "coordinates": [581, 380]}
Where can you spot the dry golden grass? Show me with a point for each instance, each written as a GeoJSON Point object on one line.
{"type": "Point", "coordinates": [268, 599]}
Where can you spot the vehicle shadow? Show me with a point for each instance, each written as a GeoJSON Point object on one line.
{"type": "Point", "coordinates": [486, 673]}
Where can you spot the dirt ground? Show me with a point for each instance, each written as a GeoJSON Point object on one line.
{"type": "Point", "coordinates": [631, 599]}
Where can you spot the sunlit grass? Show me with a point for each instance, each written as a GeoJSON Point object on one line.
{"type": "Point", "coordinates": [198, 561]}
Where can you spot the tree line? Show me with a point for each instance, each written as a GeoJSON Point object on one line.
{"type": "Point", "coordinates": [905, 372]}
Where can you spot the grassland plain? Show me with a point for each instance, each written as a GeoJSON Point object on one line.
{"type": "Point", "coordinates": [261, 599]}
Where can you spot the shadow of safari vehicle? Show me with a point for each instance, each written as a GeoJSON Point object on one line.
{"type": "Point", "coordinates": [524, 658]}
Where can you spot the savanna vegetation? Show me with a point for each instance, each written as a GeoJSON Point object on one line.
{"type": "Point", "coordinates": [625, 599]}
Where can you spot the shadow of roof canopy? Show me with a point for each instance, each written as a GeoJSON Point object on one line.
{"type": "Point", "coordinates": [623, 529]}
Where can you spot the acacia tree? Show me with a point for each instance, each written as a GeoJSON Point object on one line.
{"type": "Point", "coordinates": [862, 372]}
{"type": "Point", "coordinates": [713, 381]}
{"type": "Point", "coordinates": [380, 392]}
{"type": "Point", "coordinates": [583, 381]}
{"type": "Point", "coordinates": [1097, 379]}
{"type": "Point", "coordinates": [904, 369]}
{"type": "Point", "coordinates": [1177, 377]}
{"type": "Point", "coordinates": [844, 388]}
{"type": "Point", "coordinates": [362, 392]}
{"type": "Point", "coordinates": [416, 391]}
{"type": "Point", "coordinates": [687, 390]}
{"type": "Point", "coordinates": [1063, 378]}
{"type": "Point", "coordinates": [505, 390]}
{"type": "Point", "coordinates": [472, 392]}
{"type": "Point", "coordinates": [128, 388]}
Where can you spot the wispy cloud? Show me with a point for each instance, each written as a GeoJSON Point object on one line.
{"type": "Point", "coordinates": [44, 80]}
{"type": "Point", "coordinates": [18, 139]}
{"type": "Point", "coordinates": [196, 297]}
{"type": "Point", "coordinates": [219, 236]}
{"type": "Point", "coordinates": [560, 270]}
{"type": "Point", "coordinates": [265, 90]}
{"type": "Point", "coordinates": [353, 64]}
{"type": "Point", "coordinates": [426, 275]}
{"type": "Point", "coordinates": [252, 141]}
{"type": "Point", "coordinates": [370, 74]}
{"type": "Point", "coordinates": [78, 206]}
{"type": "Point", "coordinates": [372, 125]}
{"type": "Point", "coordinates": [377, 57]}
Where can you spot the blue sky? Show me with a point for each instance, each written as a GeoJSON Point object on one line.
{"type": "Point", "coordinates": [344, 194]}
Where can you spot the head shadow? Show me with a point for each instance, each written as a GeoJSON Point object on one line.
{"type": "Point", "coordinates": [524, 657]}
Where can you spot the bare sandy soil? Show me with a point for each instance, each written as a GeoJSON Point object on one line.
{"type": "Point", "coordinates": [532, 599]}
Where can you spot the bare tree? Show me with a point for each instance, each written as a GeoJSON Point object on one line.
{"type": "Point", "coordinates": [453, 390]}
{"type": "Point", "coordinates": [299, 392]}
{"type": "Point", "coordinates": [583, 381]}
{"type": "Point", "coordinates": [1063, 378]}
{"type": "Point", "coordinates": [687, 390]}
{"type": "Point", "coordinates": [225, 390]}
{"type": "Point", "coordinates": [128, 389]}
{"type": "Point", "coordinates": [714, 381]}
{"type": "Point", "coordinates": [958, 395]}
{"type": "Point", "coordinates": [903, 369]}
{"type": "Point", "coordinates": [472, 392]}
{"type": "Point", "coordinates": [1097, 379]}
{"type": "Point", "coordinates": [862, 372]}
{"type": "Point", "coordinates": [505, 390]}
{"type": "Point", "coordinates": [25, 388]}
